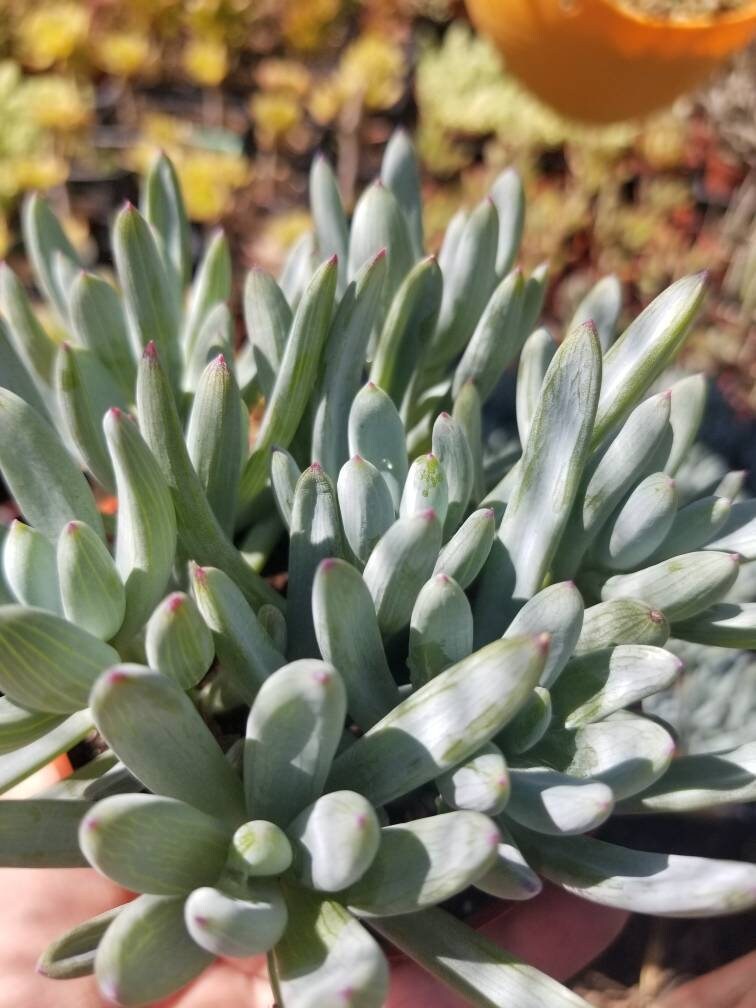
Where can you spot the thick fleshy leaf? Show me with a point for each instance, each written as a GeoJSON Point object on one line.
{"type": "Point", "coordinates": [729, 625]}
{"type": "Point", "coordinates": [16, 376]}
{"type": "Point", "coordinates": [665, 885]}
{"type": "Point", "coordinates": [688, 402]}
{"type": "Point", "coordinates": [537, 353]}
{"type": "Point", "coordinates": [163, 205]}
{"type": "Point", "coordinates": [612, 473]}
{"type": "Point", "coordinates": [324, 952]}
{"type": "Point", "coordinates": [73, 953]}
{"type": "Point", "coordinates": [557, 804]}
{"type": "Point", "coordinates": [699, 782]}
{"type": "Point", "coordinates": [401, 173]}
{"type": "Point", "coordinates": [376, 433]}
{"type": "Point", "coordinates": [621, 621]}
{"type": "Point", "coordinates": [441, 629]}
{"type": "Point", "coordinates": [91, 590]}
{"type": "Point", "coordinates": [680, 587]}
{"type": "Point", "coordinates": [202, 537]}
{"type": "Point", "coordinates": [601, 682]}
{"type": "Point", "coordinates": [284, 474]}
{"type": "Point", "coordinates": [146, 523]}
{"type": "Point", "coordinates": [247, 921]}
{"type": "Point", "coordinates": [534, 298]}
{"type": "Point", "coordinates": [693, 526]}
{"type": "Point", "coordinates": [408, 329]}
{"type": "Point", "coordinates": [624, 751]}
{"type": "Point", "coordinates": [638, 526]}
{"type": "Point", "coordinates": [425, 487]}
{"type": "Point", "coordinates": [99, 324]}
{"type": "Point", "coordinates": [31, 344]}
{"type": "Point", "coordinates": [451, 448]}
{"type": "Point", "coordinates": [178, 643]}
{"type": "Point", "coordinates": [509, 198]}
{"type": "Point", "coordinates": [147, 952]}
{"type": "Point", "coordinates": [273, 622]}
{"type": "Point", "coordinates": [442, 723]}
{"type": "Point", "coordinates": [217, 335]}
{"type": "Point", "coordinates": [244, 650]}
{"type": "Point", "coordinates": [26, 757]}
{"type": "Point", "coordinates": [329, 219]}
{"type": "Point", "coordinates": [739, 532]}
{"type": "Point", "coordinates": [315, 535]}
{"type": "Point", "coordinates": [529, 724]}
{"type": "Point", "coordinates": [152, 844]}
{"type": "Point", "coordinates": [19, 727]}
{"type": "Point", "coordinates": [366, 505]}
{"type": "Point", "coordinates": [644, 350]}
{"type": "Point", "coordinates": [30, 568]}
{"type": "Point", "coordinates": [462, 558]}
{"type": "Point", "coordinates": [47, 664]}
{"type": "Point", "coordinates": [44, 239]}
{"type": "Point", "coordinates": [378, 223]}
{"type": "Point", "coordinates": [468, 412]}
{"type": "Point", "coordinates": [148, 294]}
{"type": "Point", "coordinates": [510, 877]}
{"type": "Point", "coordinates": [211, 286]}
{"type": "Point", "coordinates": [424, 862]}
{"type": "Point", "coordinates": [553, 459]}
{"type": "Point", "coordinates": [41, 476]}
{"type": "Point", "coordinates": [479, 784]}
{"type": "Point", "coordinates": [335, 841]}
{"type": "Point", "coordinates": [293, 730]}
{"type": "Point", "coordinates": [398, 567]}
{"type": "Point", "coordinates": [154, 728]}
{"type": "Point", "coordinates": [295, 378]}
{"type": "Point", "coordinates": [344, 363]}
{"type": "Point", "coordinates": [39, 833]}
{"type": "Point", "coordinates": [493, 604]}
{"type": "Point", "coordinates": [557, 611]}
{"type": "Point", "coordinates": [267, 319]}
{"type": "Point", "coordinates": [347, 632]}
{"type": "Point", "coordinates": [602, 306]}
{"type": "Point", "coordinates": [479, 970]}
{"type": "Point", "coordinates": [298, 268]}
{"type": "Point", "coordinates": [497, 339]}
{"type": "Point", "coordinates": [258, 848]}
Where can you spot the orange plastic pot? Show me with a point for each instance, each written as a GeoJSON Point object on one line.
{"type": "Point", "coordinates": [597, 62]}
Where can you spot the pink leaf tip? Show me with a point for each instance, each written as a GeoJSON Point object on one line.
{"type": "Point", "coordinates": [150, 351]}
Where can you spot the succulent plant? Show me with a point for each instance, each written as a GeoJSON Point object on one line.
{"type": "Point", "coordinates": [448, 695]}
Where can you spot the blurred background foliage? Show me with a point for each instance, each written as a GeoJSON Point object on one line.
{"type": "Point", "coordinates": [241, 92]}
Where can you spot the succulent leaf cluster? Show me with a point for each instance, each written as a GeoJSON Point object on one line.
{"type": "Point", "coordinates": [447, 698]}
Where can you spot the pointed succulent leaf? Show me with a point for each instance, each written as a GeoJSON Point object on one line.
{"type": "Point", "coordinates": [178, 643]}
{"type": "Point", "coordinates": [401, 173]}
{"type": "Point", "coordinates": [344, 363]}
{"type": "Point", "coordinates": [246, 922]}
{"type": "Point", "coordinates": [30, 568]}
{"type": "Point", "coordinates": [701, 782]}
{"type": "Point", "coordinates": [478, 969]}
{"type": "Point", "coordinates": [602, 682]}
{"type": "Point", "coordinates": [133, 707]}
{"type": "Point", "coordinates": [468, 412]}
{"type": "Point", "coordinates": [624, 751]}
{"type": "Point", "coordinates": [665, 885]}
{"type": "Point", "coordinates": [39, 833]}
{"type": "Point", "coordinates": [213, 436]}
{"type": "Point", "coordinates": [621, 621]}
{"type": "Point", "coordinates": [293, 730]}
{"type": "Point", "coordinates": [534, 297]}
{"type": "Point", "coordinates": [99, 324]}
{"type": "Point", "coordinates": [638, 526]}
{"type": "Point", "coordinates": [331, 230]}
{"type": "Point", "coordinates": [424, 862]}
{"type": "Point", "coordinates": [296, 376]}
{"type": "Point", "coordinates": [211, 286]}
{"type": "Point", "coordinates": [399, 566]}
{"type": "Point", "coordinates": [554, 803]}
{"type": "Point", "coordinates": [258, 848]}
{"type": "Point", "coordinates": [509, 198]}
{"type": "Point", "coordinates": [537, 353]}
{"type": "Point", "coordinates": [728, 624]}
{"type": "Point", "coordinates": [497, 339]}
{"type": "Point", "coordinates": [366, 505]}
{"type": "Point", "coordinates": [59, 737]}
{"type": "Point", "coordinates": [163, 206]}
{"type": "Point", "coordinates": [510, 877]}
{"type": "Point", "coordinates": [557, 611]}
{"type": "Point", "coordinates": [602, 306]}
{"type": "Point", "coordinates": [335, 841]}
{"type": "Point", "coordinates": [245, 652]}
{"type": "Point", "coordinates": [529, 724]}
{"type": "Point", "coordinates": [451, 448]}
{"type": "Point", "coordinates": [323, 953]}
{"type": "Point", "coordinates": [73, 953]}
{"type": "Point", "coordinates": [18, 726]}
{"type": "Point", "coordinates": [91, 589]}
{"type": "Point", "coordinates": [442, 723]}
{"type": "Point", "coordinates": [42, 477]}
{"type": "Point", "coordinates": [273, 622]}
{"type": "Point", "coordinates": [462, 558]}
{"type": "Point", "coordinates": [680, 587]}
{"type": "Point", "coordinates": [217, 335]}
{"type": "Point", "coordinates": [315, 535]}
{"type": "Point", "coordinates": [479, 784]}
{"type": "Point", "coordinates": [378, 223]}
{"type": "Point", "coordinates": [693, 526]}
{"type": "Point", "coordinates": [147, 952]}
{"type": "Point", "coordinates": [151, 844]}
{"type": "Point", "coordinates": [441, 629]}
{"type": "Point", "coordinates": [408, 328]}
{"type": "Point", "coordinates": [553, 459]}
{"type": "Point", "coordinates": [376, 433]}
{"type": "Point", "coordinates": [284, 475]}
{"type": "Point", "coordinates": [44, 238]}
{"type": "Point", "coordinates": [493, 604]}
{"type": "Point", "coordinates": [347, 632]}
{"type": "Point", "coordinates": [426, 487]}
{"type": "Point", "coordinates": [451, 238]}
{"type": "Point", "coordinates": [30, 341]}
{"type": "Point", "coordinates": [298, 267]}
{"type": "Point", "coordinates": [644, 349]}
{"type": "Point", "coordinates": [267, 319]}
{"type": "Point", "coordinates": [16, 376]}
{"type": "Point", "coordinates": [738, 535]}
{"type": "Point", "coordinates": [688, 402]}
{"type": "Point", "coordinates": [146, 523]}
